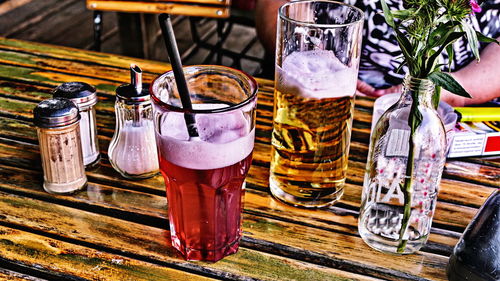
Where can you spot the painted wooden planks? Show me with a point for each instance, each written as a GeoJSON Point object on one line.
{"type": "Point", "coordinates": [62, 260]}
{"type": "Point", "coordinates": [293, 235]}
{"type": "Point", "coordinates": [73, 54]}
{"type": "Point", "coordinates": [187, 9]}
{"type": "Point", "coordinates": [472, 195]}
{"type": "Point", "coordinates": [262, 156]}
{"type": "Point", "coordinates": [133, 239]}
{"type": "Point", "coordinates": [470, 172]}
{"type": "Point", "coordinates": [146, 243]}
{"type": "Point", "coordinates": [274, 233]}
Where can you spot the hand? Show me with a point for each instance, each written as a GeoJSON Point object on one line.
{"type": "Point", "coordinates": [362, 88]}
{"type": "Point", "coordinates": [394, 89]}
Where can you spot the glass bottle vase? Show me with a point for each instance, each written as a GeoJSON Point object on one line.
{"type": "Point", "coordinates": [399, 200]}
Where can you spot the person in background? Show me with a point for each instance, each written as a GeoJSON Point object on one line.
{"type": "Point", "coordinates": [381, 55]}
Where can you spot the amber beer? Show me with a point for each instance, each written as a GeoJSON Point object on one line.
{"type": "Point", "coordinates": [317, 60]}
{"type": "Point", "coordinates": [311, 130]}
{"type": "Point", "coordinates": [310, 148]}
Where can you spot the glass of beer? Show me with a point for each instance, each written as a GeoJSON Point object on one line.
{"type": "Point", "coordinates": [317, 62]}
{"type": "Point", "coordinates": [204, 173]}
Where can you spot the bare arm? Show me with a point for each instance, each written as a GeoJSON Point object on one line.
{"type": "Point", "coordinates": [481, 80]}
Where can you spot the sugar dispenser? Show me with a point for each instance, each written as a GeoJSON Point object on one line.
{"type": "Point", "coordinates": [84, 96]}
{"type": "Point", "coordinates": [132, 151]}
{"type": "Point", "coordinates": [57, 122]}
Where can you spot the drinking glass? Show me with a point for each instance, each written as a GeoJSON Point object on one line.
{"type": "Point", "coordinates": [204, 175]}
{"type": "Point", "coordinates": [317, 61]}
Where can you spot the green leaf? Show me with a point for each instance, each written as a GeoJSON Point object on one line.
{"type": "Point", "coordinates": [406, 47]}
{"type": "Point", "coordinates": [449, 83]}
{"type": "Point", "coordinates": [436, 97]}
{"type": "Point", "coordinates": [472, 38]}
{"type": "Point", "coordinates": [403, 14]}
{"type": "Point", "coordinates": [388, 15]}
{"type": "Point", "coordinates": [451, 54]}
{"type": "Point", "coordinates": [483, 38]}
{"type": "Point", "coordinates": [403, 63]}
{"type": "Point", "coordinates": [439, 35]}
{"type": "Point", "coordinates": [450, 39]}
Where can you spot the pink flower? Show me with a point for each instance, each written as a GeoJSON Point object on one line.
{"type": "Point", "coordinates": [475, 7]}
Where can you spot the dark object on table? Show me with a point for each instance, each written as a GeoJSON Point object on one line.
{"type": "Point", "coordinates": [477, 254]}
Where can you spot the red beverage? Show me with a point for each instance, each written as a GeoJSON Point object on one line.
{"type": "Point", "coordinates": [205, 172]}
{"type": "Point", "coordinates": [204, 208]}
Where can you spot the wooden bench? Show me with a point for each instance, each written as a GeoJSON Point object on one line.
{"type": "Point", "coordinates": [196, 8]}
{"type": "Point", "coordinates": [6, 6]}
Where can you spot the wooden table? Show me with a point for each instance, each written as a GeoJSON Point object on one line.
{"type": "Point", "coordinates": [117, 229]}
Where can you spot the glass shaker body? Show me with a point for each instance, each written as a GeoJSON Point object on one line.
{"type": "Point", "coordinates": [61, 152]}
{"type": "Point", "coordinates": [84, 96]}
{"type": "Point", "coordinates": [132, 151]}
{"type": "Point", "coordinates": [62, 159]}
{"type": "Point", "coordinates": [90, 144]}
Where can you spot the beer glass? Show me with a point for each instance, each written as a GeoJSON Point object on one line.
{"type": "Point", "coordinates": [204, 175]}
{"type": "Point", "coordinates": [317, 62]}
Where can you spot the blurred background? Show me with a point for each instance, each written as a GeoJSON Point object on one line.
{"type": "Point", "coordinates": [229, 39]}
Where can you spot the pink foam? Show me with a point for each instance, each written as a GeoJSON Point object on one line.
{"type": "Point", "coordinates": [224, 139]}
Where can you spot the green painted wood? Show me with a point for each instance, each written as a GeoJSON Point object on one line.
{"type": "Point", "coordinates": [280, 242]}
{"type": "Point", "coordinates": [69, 260]}
{"type": "Point", "coordinates": [149, 243]}
{"type": "Point", "coordinates": [258, 176]}
{"type": "Point", "coordinates": [470, 172]}
{"type": "Point", "coordinates": [137, 205]}
{"type": "Point", "coordinates": [73, 54]}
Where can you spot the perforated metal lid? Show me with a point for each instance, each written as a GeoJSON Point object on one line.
{"type": "Point", "coordinates": [56, 112]}
{"type": "Point", "coordinates": [81, 93]}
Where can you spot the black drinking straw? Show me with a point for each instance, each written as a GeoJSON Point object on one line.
{"type": "Point", "coordinates": [175, 60]}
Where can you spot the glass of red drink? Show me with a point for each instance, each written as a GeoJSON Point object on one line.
{"type": "Point", "coordinates": [204, 175]}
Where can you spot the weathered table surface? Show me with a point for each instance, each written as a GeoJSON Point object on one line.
{"type": "Point", "coordinates": [117, 229]}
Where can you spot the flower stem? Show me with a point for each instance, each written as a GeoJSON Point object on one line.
{"type": "Point", "coordinates": [408, 182]}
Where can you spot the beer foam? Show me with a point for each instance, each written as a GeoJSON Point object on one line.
{"type": "Point", "coordinates": [316, 74]}
{"type": "Point", "coordinates": [224, 139]}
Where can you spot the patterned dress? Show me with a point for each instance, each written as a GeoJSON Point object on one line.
{"type": "Point", "coordinates": [381, 55]}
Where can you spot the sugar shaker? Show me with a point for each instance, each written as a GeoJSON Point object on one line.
{"type": "Point", "coordinates": [84, 96]}
{"type": "Point", "coordinates": [132, 151]}
{"type": "Point", "coordinates": [58, 130]}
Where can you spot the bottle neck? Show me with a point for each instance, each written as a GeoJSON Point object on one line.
{"type": "Point", "coordinates": [421, 89]}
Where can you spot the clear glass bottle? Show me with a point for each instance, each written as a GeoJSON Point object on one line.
{"type": "Point", "coordinates": [132, 151]}
{"type": "Point", "coordinates": [384, 195]}
{"type": "Point", "coordinates": [57, 122]}
{"type": "Point", "coordinates": [84, 96]}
